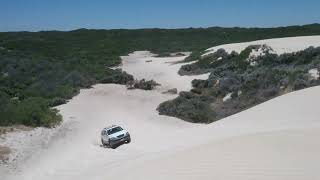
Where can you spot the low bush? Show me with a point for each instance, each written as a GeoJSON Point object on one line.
{"type": "Point", "coordinates": [118, 77]}
{"type": "Point", "coordinates": [30, 112]}
{"type": "Point", "coordinates": [142, 84]}
{"type": "Point", "coordinates": [189, 107]}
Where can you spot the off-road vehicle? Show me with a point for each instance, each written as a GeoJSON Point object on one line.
{"type": "Point", "coordinates": [113, 136]}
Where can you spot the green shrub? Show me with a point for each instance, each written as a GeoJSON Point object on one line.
{"type": "Point", "coordinates": [30, 112]}
{"type": "Point", "coordinates": [194, 56]}
{"type": "Point", "coordinates": [189, 107]}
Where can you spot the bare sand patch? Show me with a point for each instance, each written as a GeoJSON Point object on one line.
{"type": "Point", "coordinates": [9, 129]}
{"type": "Point", "coordinates": [4, 152]}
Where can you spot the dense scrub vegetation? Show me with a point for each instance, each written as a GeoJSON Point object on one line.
{"type": "Point", "coordinates": [39, 70]}
{"type": "Point", "coordinates": [236, 84]}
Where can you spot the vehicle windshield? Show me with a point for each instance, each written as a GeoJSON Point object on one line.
{"type": "Point", "coordinates": [114, 130]}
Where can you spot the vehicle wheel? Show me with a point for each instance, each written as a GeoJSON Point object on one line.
{"type": "Point", "coordinates": [128, 141]}
{"type": "Point", "coordinates": [103, 143]}
{"type": "Point", "coordinates": [111, 145]}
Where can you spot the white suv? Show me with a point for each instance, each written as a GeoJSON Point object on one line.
{"type": "Point", "coordinates": [114, 135]}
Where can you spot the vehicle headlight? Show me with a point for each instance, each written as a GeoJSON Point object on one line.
{"type": "Point", "coordinates": [127, 134]}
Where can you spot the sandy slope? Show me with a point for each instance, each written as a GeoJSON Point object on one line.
{"type": "Point", "coordinates": [279, 45]}
{"type": "Point", "coordinates": [275, 140]}
{"type": "Point", "coordinates": [283, 155]}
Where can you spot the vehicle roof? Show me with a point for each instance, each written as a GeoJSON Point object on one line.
{"type": "Point", "coordinates": [110, 127]}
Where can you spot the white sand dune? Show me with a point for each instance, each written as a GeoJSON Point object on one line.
{"type": "Point", "coordinates": [279, 45]}
{"type": "Point", "coordinates": [283, 155]}
{"type": "Point", "coordinates": [274, 140]}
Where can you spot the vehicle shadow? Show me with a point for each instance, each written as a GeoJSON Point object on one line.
{"type": "Point", "coordinates": [114, 147]}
